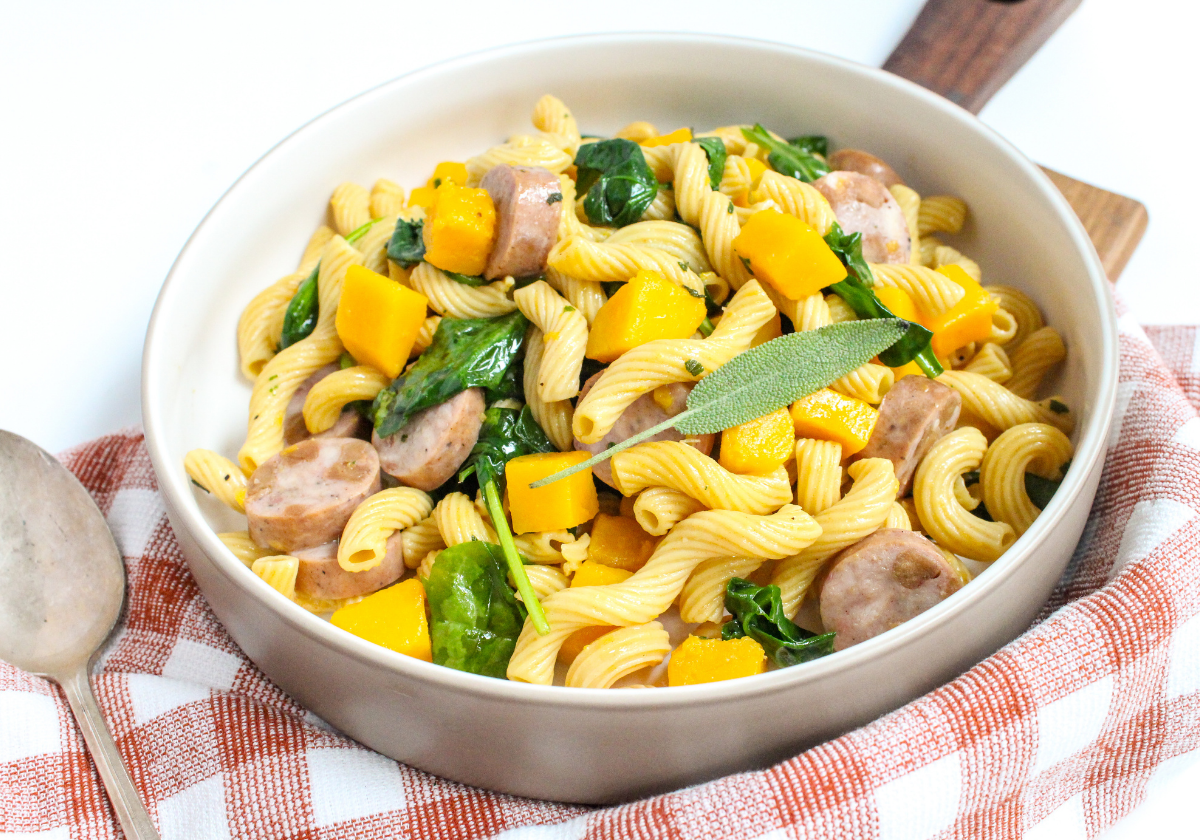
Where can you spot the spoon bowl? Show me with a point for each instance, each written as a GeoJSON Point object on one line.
{"type": "Point", "coordinates": [64, 587]}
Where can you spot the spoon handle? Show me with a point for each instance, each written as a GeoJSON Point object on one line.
{"type": "Point", "coordinates": [126, 802]}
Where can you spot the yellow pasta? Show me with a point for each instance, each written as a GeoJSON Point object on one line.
{"type": "Point", "coordinates": [564, 339]}
{"type": "Point", "coordinates": [1023, 309]}
{"type": "Point", "coordinates": [637, 131]}
{"type": "Point", "coordinates": [327, 399]}
{"type": "Point", "coordinates": [279, 573]}
{"type": "Point", "coordinates": [373, 244]}
{"type": "Point", "coordinates": [585, 295]}
{"type": "Point", "coordinates": [458, 521]}
{"type": "Point", "coordinates": [555, 416]}
{"type": "Point", "coordinates": [419, 540]}
{"type": "Point", "coordinates": [839, 310]}
{"type": "Point", "coordinates": [910, 205]}
{"type": "Point", "coordinates": [218, 475]}
{"type": "Point", "coordinates": [798, 199]}
{"type": "Point", "coordinates": [703, 596]}
{"type": "Point", "coordinates": [545, 547]}
{"type": "Point", "coordinates": [991, 361]}
{"type": "Point", "coordinates": [941, 214]}
{"type": "Point", "coordinates": [662, 208]}
{"type": "Point", "coordinates": [945, 255]}
{"type": "Point", "coordinates": [457, 300]}
{"type": "Point", "coordinates": [364, 539]}
{"type": "Point", "coordinates": [554, 118]}
{"type": "Point", "coordinates": [898, 518]}
{"type": "Point", "coordinates": [522, 150]}
{"type": "Point", "coordinates": [618, 654]}
{"type": "Point", "coordinates": [710, 210]}
{"type": "Point", "coordinates": [349, 207]}
{"type": "Point", "coordinates": [425, 335]}
{"type": "Point", "coordinates": [650, 590]}
{"type": "Point", "coordinates": [736, 178]}
{"type": "Point", "coordinates": [314, 249]}
{"type": "Point", "coordinates": [933, 293]}
{"type": "Point", "coordinates": [860, 512]}
{"type": "Point", "coordinates": [679, 240]}
{"type": "Point", "coordinates": [1000, 407]}
{"type": "Point", "coordinates": [262, 321]}
{"type": "Point", "coordinates": [818, 474]}
{"type": "Point", "coordinates": [659, 509]}
{"type": "Point", "coordinates": [1030, 447]}
{"type": "Point", "coordinates": [1031, 361]}
{"type": "Point", "coordinates": [869, 383]}
{"type": "Point", "coordinates": [601, 262]}
{"type": "Point", "coordinates": [386, 199]}
{"type": "Point", "coordinates": [546, 580]}
{"type": "Point", "coordinates": [243, 546]}
{"type": "Point", "coordinates": [684, 468]}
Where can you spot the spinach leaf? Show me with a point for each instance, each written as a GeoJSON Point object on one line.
{"type": "Point", "coordinates": [856, 290]}
{"type": "Point", "coordinates": [1042, 490]}
{"type": "Point", "coordinates": [406, 247]}
{"type": "Point", "coordinates": [619, 183]}
{"type": "Point", "coordinates": [785, 158]}
{"type": "Point", "coordinates": [466, 279]}
{"type": "Point", "coordinates": [758, 613]}
{"type": "Point", "coordinates": [814, 144]}
{"type": "Point", "coordinates": [505, 434]}
{"type": "Point", "coordinates": [465, 353]}
{"type": "Point", "coordinates": [511, 386]}
{"type": "Point", "coordinates": [714, 149]}
{"type": "Point", "coordinates": [475, 619]}
{"type": "Point", "coordinates": [300, 317]}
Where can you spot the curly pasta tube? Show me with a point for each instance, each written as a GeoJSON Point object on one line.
{"type": "Point", "coordinates": [798, 199]}
{"type": "Point", "coordinates": [544, 547]}
{"type": "Point", "coordinates": [554, 417]}
{"type": "Point", "coordinates": [818, 474]}
{"type": "Point", "coordinates": [386, 199]}
{"type": "Point", "coordinates": [281, 376]}
{"type": "Point", "coordinates": [703, 596]}
{"type": "Point", "coordinates": [910, 204]}
{"type": "Point", "coordinates": [679, 240]}
{"type": "Point", "coordinates": [1023, 309]}
{"type": "Point", "coordinates": [710, 210]}
{"type": "Point", "coordinates": [327, 399]}
{"type": "Point", "coordinates": [941, 214]}
{"type": "Point", "coordinates": [243, 546]}
{"type": "Point", "coordinates": [991, 361]}
{"type": "Point", "coordinates": [637, 131]}
{"type": "Point", "coordinates": [999, 407]}
{"type": "Point", "coordinates": [564, 339]}
{"type": "Point", "coordinates": [684, 468]}
{"type": "Point", "coordinates": [419, 540]}
{"type": "Point", "coordinates": [662, 362]}
{"type": "Point", "coordinates": [736, 178]}
{"type": "Point", "coordinates": [425, 335]}
{"type": "Point", "coordinates": [217, 475]}
{"type": "Point", "coordinates": [1030, 447]}
{"type": "Point", "coordinates": [618, 654]}
{"type": "Point", "coordinates": [458, 521]}
{"type": "Point", "coordinates": [552, 116]}
{"type": "Point", "coordinates": [521, 150]}
{"type": "Point", "coordinates": [945, 255]}
{"type": "Point", "coordinates": [449, 297]}
{"type": "Point", "coordinates": [262, 320]}
{"type": "Point", "coordinates": [602, 262]}
{"type": "Point", "coordinates": [278, 572]}
{"type": "Point", "coordinates": [942, 514]}
{"type": "Point", "coordinates": [898, 518]}
{"type": "Point", "coordinates": [659, 509]}
{"type": "Point", "coordinates": [585, 295]}
{"type": "Point", "coordinates": [1041, 350]}
{"type": "Point", "coordinates": [364, 539]}
{"type": "Point", "coordinates": [374, 243]}
{"type": "Point", "coordinates": [314, 249]}
{"type": "Point", "coordinates": [662, 208]}
{"type": "Point", "coordinates": [650, 590]}
{"type": "Point", "coordinates": [349, 207]}
{"type": "Point", "coordinates": [933, 293]}
{"type": "Point", "coordinates": [869, 383]}
{"type": "Point", "coordinates": [806, 313]}
{"type": "Point", "coordinates": [546, 580]}
{"type": "Point", "coordinates": [860, 512]}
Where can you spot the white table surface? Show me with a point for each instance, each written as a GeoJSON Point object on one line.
{"type": "Point", "coordinates": [124, 122]}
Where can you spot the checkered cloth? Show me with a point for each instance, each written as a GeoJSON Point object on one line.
{"type": "Point", "coordinates": [1056, 736]}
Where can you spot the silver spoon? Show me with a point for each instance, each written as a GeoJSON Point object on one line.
{"type": "Point", "coordinates": [64, 583]}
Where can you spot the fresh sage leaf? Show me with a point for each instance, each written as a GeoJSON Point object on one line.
{"type": "Point", "coordinates": [758, 613]}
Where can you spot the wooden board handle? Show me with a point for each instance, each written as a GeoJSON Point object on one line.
{"type": "Point", "coordinates": [967, 49]}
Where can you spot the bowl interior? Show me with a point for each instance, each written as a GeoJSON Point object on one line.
{"type": "Point", "coordinates": [1020, 231]}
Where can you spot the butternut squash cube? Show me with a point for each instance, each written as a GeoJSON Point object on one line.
{"type": "Point", "coordinates": [968, 320]}
{"type": "Point", "coordinates": [564, 504]}
{"type": "Point", "coordinates": [574, 644]}
{"type": "Point", "coordinates": [393, 618]}
{"type": "Point", "coordinates": [422, 197]}
{"type": "Point", "coordinates": [828, 415]}
{"type": "Point", "coordinates": [620, 542]}
{"type": "Point", "coordinates": [459, 229]}
{"type": "Point", "coordinates": [902, 306]}
{"type": "Point", "coordinates": [591, 573]}
{"type": "Point", "coordinates": [759, 446]}
{"type": "Point", "coordinates": [448, 172]}
{"type": "Point", "coordinates": [679, 135]}
{"type": "Point", "coordinates": [698, 660]}
{"type": "Point", "coordinates": [787, 253]}
{"type": "Point", "coordinates": [647, 308]}
{"type": "Point", "coordinates": [757, 168]}
{"type": "Point", "coordinates": [378, 319]}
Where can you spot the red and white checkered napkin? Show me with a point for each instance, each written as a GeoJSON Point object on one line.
{"type": "Point", "coordinates": [1056, 736]}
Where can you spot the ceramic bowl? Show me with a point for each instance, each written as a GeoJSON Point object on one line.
{"type": "Point", "coordinates": [587, 745]}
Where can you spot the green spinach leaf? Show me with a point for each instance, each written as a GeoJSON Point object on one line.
{"type": "Point", "coordinates": [300, 317]}
{"type": "Point", "coordinates": [758, 613]}
{"type": "Point", "coordinates": [620, 185]}
{"type": "Point", "coordinates": [1042, 490]}
{"type": "Point", "coordinates": [466, 279]}
{"type": "Point", "coordinates": [475, 619]}
{"type": "Point", "coordinates": [406, 247]}
{"type": "Point", "coordinates": [505, 434]}
{"type": "Point", "coordinates": [465, 353]}
{"type": "Point", "coordinates": [814, 144]}
{"type": "Point", "coordinates": [714, 149]}
{"type": "Point", "coordinates": [785, 158]}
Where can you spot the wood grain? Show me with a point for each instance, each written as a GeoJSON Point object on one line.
{"type": "Point", "coordinates": [967, 49]}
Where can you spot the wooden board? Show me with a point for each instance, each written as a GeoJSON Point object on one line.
{"type": "Point", "coordinates": [967, 49]}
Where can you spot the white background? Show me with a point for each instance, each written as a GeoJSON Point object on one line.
{"type": "Point", "coordinates": [122, 123]}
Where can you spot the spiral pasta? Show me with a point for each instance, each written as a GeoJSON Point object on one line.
{"type": "Point", "coordinates": [278, 572]}
{"type": "Point", "coordinates": [602, 262]}
{"type": "Point", "coordinates": [898, 518]}
{"type": "Point", "coordinates": [662, 208]}
{"type": "Point", "coordinates": [659, 509]}
{"type": "Point", "coordinates": [869, 383]}
{"type": "Point", "coordinates": [1023, 309]}
{"type": "Point", "coordinates": [932, 292]}
{"type": "Point", "coordinates": [941, 214]}
{"type": "Point", "coordinates": [458, 521]}
{"type": "Point", "coordinates": [546, 580]}
{"type": "Point", "coordinates": [552, 116]}
{"type": "Point", "coordinates": [217, 475]}
{"type": "Point", "coordinates": [364, 539]}
{"type": "Point", "coordinates": [262, 321]}
{"type": "Point", "coordinates": [910, 205]}
{"type": "Point", "coordinates": [942, 514]}
{"type": "Point", "coordinates": [544, 547]}
{"type": "Point", "coordinates": [522, 150]}
{"type": "Point", "coordinates": [818, 474]}
{"type": "Point", "coordinates": [1029, 447]}
{"type": "Point", "coordinates": [1031, 361]}
{"type": "Point", "coordinates": [243, 546]}
{"type": "Point", "coordinates": [555, 416]}
{"type": "Point", "coordinates": [996, 405]}
{"type": "Point", "coordinates": [564, 339]}
{"type": "Point", "coordinates": [945, 255]}
{"type": "Point", "coordinates": [327, 399]}
{"type": "Point", "coordinates": [710, 210]}
{"type": "Point", "coordinates": [678, 240]}
{"type": "Point", "coordinates": [349, 207]}
{"type": "Point", "coordinates": [859, 513]}
{"type": "Point", "coordinates": [637, 131]}
{"type": "Point", "coordinates": [618, 654]}
{"type": "Point", "coordinates": [796, 198]}
{"type": "Point", "coordinates": [703, 596]}
{"type": "Point", "coordinates": [650, 590]}
{"type": "Point", "coordinates": [373, 244]}
{"type": "Point", "coordinates": [684, 468]}
{"type": "Point", "coordinates": [386, 199]}
{"type": "Point", "coordinates": [991, 361]}
{"type": "Point", "coordinates": [419, 540]}
{"type": "Point", "coordinates": [425, 335]}
{"type": "Point", "coordinates": [457, 300]}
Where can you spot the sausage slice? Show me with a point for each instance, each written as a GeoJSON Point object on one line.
{"type": "Point", "coordinates": [304, 496]}
{"type": "Point", "coordinates": [913, 416]}
{"type": "Point", "coordinates": [864, 205]}
{"type": "Point", "coordinates": [322, 578]}
{"type": "Point", "coordinates": [431, 447]}
{"type": "Point", "coordinates": [864, 163]}
{"type": "Point", "coordinates": [881, 582]}
{"type": "Point", "coordinates": [529, 206]}
{"type": "Point", "coordinates": [349, 423]}
{"type": "Point", "coordinates": [644, 412]}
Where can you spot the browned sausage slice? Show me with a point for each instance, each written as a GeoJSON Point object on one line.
{"type": "Point", "coordinates": [529, 206]}
{"type": "Point", "coordinates": [646, 411]}
{"type": "Point", "coordinates": [349, 423]}
{"type": "Point", "coordinates": [321, 577]}
{"type": "Point", "coordinates": [304, 496]}
{"type": "Point", "coordinates": [863, 205]}
{"type": "Point", "coordinates": [864, 163]}
{"type": "Point", "coordinates": [431, 447]}
{"type": "Point", "coordinates": [881, 582]}
{"type": "Point", "coordinates": [913, 416]}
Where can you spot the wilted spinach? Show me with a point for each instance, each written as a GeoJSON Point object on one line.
{"type": "Point", "coordinates": [785, 158]}
{"type": "Point", "coordinates": [407, 247]}
{"type": "Point", "coordinates": [1042, 490]}
{"type": "Point", "coordinates": [466, 279]}
{"type": "Point", "coordinates": [758, 613]}
{"type": "Point", "coordinates": [474, 618]}
{"type": "Point", "coordinates": [714, 150]}
{"type": "Point", "coordinates": [620, 185]}
{"type": "Point", "coordinates": [814, 144]}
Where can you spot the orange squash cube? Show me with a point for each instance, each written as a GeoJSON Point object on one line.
{"type": "Point", "coordinates": [422, 197]}
{"type": "Point", "coordinates": [828, 415]}
{"type": "Point", "coordinates": [574, 644]}
{"type": "Point", "coordinates": [459, 229]}
{"type": "Point", "coordinates": [563, 504]}
{"type": "Point", "coordinates": [620, 542]}
{"type": "Point", "coordinates": [448, 172]}
{"type": "Point", "coordinates": [591, 573]}
{"type": "Point", "coordinates": [697, 661]}
{"type": "Point", "coordinates": [902, 306]}
{"type": "Point", "coordinates": [968, 320]}
{"type": "Point", "coordinates": [787, 253]}
{"type": "Point", "coordinates": [378, 319]}
{"type": "Point", "coordinates": [679, 135]}
{"type": "Point", "coordinates": [647, 308]}
{"type": "Point", "coordinates": [759, 446]}
{"type": "Point", "coordinates": [393, 618]}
